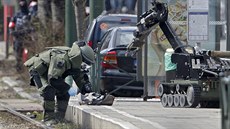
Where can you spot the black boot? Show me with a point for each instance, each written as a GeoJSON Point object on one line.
{"type": "Point", "coordinates": [60, 111]}
{"type": "Point", "coordinates": [48, 114]}
{"type": "Point", "coordinates": [49, 118]}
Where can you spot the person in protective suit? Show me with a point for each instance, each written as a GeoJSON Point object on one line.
{"type": "Point", "coordinates": [48, 71]}
{"type": "Point", "coordinates": [19, 28]}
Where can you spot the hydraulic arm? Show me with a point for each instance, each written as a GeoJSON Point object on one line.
{"type": "Point", "coordinates": [157, 15]}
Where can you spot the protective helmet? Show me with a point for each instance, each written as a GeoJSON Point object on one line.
{"type": "Point", "coordinates": [22, 2]}
{"type": "Point", "coordinates": [87, 54]}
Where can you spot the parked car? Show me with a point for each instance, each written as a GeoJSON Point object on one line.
{"type": "Point", "coordinates": [118, 66]}
{"type": "Point", "coordinates": [102, 23]}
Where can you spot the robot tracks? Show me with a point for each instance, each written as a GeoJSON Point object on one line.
{"type": "Point", "coordinates": [177, 95]}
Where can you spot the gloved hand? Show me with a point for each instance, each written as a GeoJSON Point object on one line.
{"type": "Point", "coordinates": [72, 91]}
{"type": "Point", "coordinates": [86, 88]}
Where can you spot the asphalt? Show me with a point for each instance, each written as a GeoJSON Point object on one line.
{"type": "Point", "coordinates": [132, 113]}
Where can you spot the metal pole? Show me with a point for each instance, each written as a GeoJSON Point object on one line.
{"type": "Point", "coordinates": [142, 5]}
{"type": "Point", "coordinates": [70, 24]}
{"type": "Point", "coordinates": [145, 62]}
{"type": "Point", "coordinates": [96, 8]}
{"type": "Point", "coordinates": [228, 25]}
{"type": "Point", "coordinates": [225, 102]}
{"type": "Point", "coordinates": [70, 29]}
{"type": "Point", "coordinates": [139, 54]}
{"type": "Point", "coordinates": [7, 38]}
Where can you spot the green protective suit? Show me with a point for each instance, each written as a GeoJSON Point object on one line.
{"type": "Point", "coordinates": [48, 70]}
{"type": "Point", "coordinates": [54, 62]}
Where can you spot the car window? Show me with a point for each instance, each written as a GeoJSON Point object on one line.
{"type": "Point", "coordinates": [105, 40]}
{"type": "Point", "coordinates": [104, 26]}
{"type": "Point", "coordinates": [89, 30]}
{"type": "Point", "coordinates": [124, 38]}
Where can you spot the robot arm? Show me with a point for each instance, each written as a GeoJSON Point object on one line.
{"type": "Point", "coordinates": [148, 21]}
{"type": "Point", "coordinates": [157, 15]}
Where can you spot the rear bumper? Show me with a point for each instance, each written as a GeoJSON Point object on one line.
{"type": "Point", "coordinates": [116, 73]}
{"type": "Point", "coordinates": [110, 83]}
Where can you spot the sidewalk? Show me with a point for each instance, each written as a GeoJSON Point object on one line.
{"type": "Point", "coordinates": [134, 113]}
{"type": "Point", "coordinates": [10, 79]}
{"type": "Point", "coordinates": [2, 50]}
{"type": "Point", "coordinates": [110, 117]}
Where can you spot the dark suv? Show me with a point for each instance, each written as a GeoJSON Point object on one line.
{"type": "Point", "coordinates": [102, 23]}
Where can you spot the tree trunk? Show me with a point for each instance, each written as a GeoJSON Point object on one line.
{"type": "Point", "coordinates": [44, 11]}
{"type": "Point", "coordinates": [79, 7]}
{"type": "Point", "coordinates": [51, 14]}
{"type": "Point", "coordinates": [58, 18]}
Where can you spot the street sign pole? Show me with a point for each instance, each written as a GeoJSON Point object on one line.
{"type": "Point", "coordinates": [70, 29]}
{"type": "Point", "coordinates": [96, 8]}
{"type": "Point", "coordinates": [228, 25]}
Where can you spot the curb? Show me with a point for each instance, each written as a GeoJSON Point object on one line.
{"type": "Point", "coordinates": [89, 118]}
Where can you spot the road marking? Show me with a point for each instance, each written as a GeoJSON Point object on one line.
{"type": "Point", "coordinates": [137, 99]}
{"type": "Point", "coordinates": [154, 124]}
